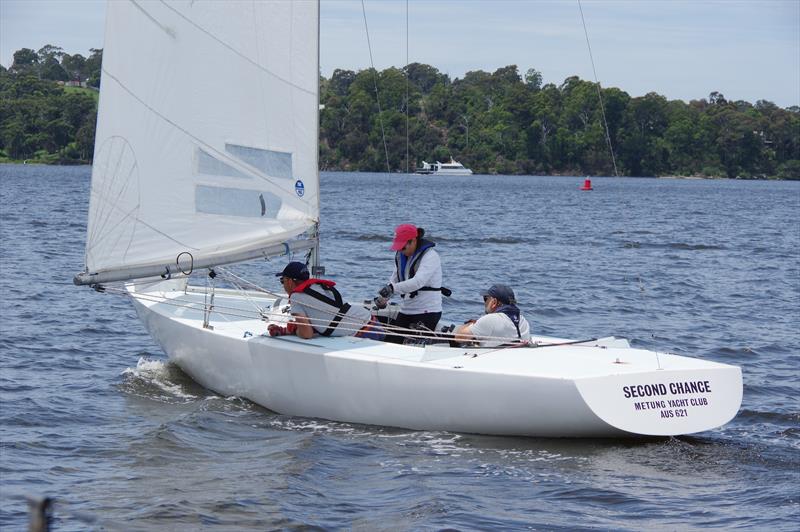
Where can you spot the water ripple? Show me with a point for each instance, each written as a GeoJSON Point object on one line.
{"type": "Point", "coordinates": [94, 415]}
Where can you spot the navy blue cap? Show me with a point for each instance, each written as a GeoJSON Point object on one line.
{"type": "Point", "coordinates": [502, 293]}
{"type": "Point", "coordinates": [294, 270]}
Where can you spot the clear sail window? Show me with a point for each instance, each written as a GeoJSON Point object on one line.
{"type": "Point", "coordinates": [207, 164]}
{"type": "Point", "coordinates": [236, 202]}
{"type": "Point", "coordinates": [272, 163]}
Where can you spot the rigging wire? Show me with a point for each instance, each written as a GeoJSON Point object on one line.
{"type": "Point", "coordinates": [407, 101]}
{"type": "Point", "coordinates": [599, 93]}
{"type": "Point", "coordinates": [377, 94]}
{"type": "Point", "coordinates": [611, 149]}
{"type": "Point", "coordinates": [262, 314]}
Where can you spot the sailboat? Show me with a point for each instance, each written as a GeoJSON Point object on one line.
{"type": "Point", "coordinates": [206, 156]}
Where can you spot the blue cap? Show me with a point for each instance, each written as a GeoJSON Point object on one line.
{"type": "Point", "coordinates": [294, 270]}
{"type": "Point", "coordinates": [502, 293]}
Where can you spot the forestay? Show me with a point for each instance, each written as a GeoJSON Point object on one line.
{"type": "Point", "coordinates": [206, 144]}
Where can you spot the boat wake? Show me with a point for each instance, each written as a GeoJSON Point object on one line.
{"type": "Point", "coordinates": [323, 426]}
{"type": "Point", "coordinates": [161, 381]}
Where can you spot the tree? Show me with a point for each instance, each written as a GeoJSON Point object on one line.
{"type": "Point", "coordinates": [25, 61]}
{"type": "Point", "coordinates": [53, 71]}
{"type": "Point", "coordinates": [93, 67]}
{"type": "Point", "coordinates": [341, 81]}
{"type": "Point", "coordinates": [84, 137]}
{"type": "Point", "coordinates": [424, 77]}
{"type": "Point", "coordinates": [75, 66]}
{"type": "Point", "coordinates": [533, 79]}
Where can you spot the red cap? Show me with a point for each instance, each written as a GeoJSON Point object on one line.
{"type": "Point", "coordinates": [402, 234]}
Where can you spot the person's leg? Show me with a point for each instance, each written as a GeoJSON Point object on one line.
{"type": "Point", "coordinates": [429, 320]}
{"type": "Point", "coordinates": [401, 320]}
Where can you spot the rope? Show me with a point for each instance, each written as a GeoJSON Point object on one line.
{"type": "Point", "coordinates": [599, 94]}
{"type": "Point", "coordinates": [375, 80]}
{"type": "Point", "coordinates": [647, 310]}
{"type": "Point", "coordinates": [399, 331]}
{"type": "Point", "coordinates": [238, 283]}
{"type": "Point", "coordinates": [228, 311]}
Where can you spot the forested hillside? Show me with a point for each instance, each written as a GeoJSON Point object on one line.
{"type": "Point", "coordinates": [500, 122]}
{"type": "Point", "coordinates": [42, 120]}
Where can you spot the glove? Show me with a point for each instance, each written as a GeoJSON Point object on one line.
{"type": "Point", "coordinates": [380, 302]}
{"type": "Point", "coordinates": [386, 291]}
{"type": "Point", "coordinates": [277, 330]}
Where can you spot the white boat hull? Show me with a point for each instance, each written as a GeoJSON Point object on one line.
{"type": "Point", "coordinates": [465, 171]}
{"type": "Point", "coordinates": [565, 391]}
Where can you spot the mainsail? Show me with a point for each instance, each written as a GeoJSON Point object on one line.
{"type": "Point", "coordinates": [206, 144]}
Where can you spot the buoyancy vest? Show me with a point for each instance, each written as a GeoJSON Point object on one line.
{"type": "Point", "coordinates": [338, 307]}
{"type": "Point", "coordinates": [403, 263]}
{"type": "Point", "coordinates": [512, 311]}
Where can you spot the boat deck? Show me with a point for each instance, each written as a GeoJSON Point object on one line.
{"type": "Point", "coordinates": [236, 316]}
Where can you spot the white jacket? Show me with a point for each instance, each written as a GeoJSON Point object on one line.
{"type": "Point", "coordinates": [429, 273]}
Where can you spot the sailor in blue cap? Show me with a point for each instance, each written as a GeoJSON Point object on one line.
{"type": "Point", "coordinates": [318, 307]}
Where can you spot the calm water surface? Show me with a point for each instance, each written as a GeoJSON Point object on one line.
{"type": "Point", "coordinates": [93, 414]}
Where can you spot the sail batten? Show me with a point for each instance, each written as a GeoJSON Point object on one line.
{"type": "Point", "coordinates": [207, 133]}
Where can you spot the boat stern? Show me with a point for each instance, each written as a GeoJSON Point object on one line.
{"type": "Point", "coordinates": [665, 402]}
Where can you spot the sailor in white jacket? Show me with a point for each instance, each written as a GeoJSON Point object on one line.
{"type": "Point", "coordinates": [417, 278]}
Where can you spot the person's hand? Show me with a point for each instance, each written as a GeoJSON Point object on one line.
{"type": "Point", "coordinates": [386, 291]}
{"type": "Point", "coordinates": [380, 302]}
{"type": "Point", "coordinates": [278, 330]}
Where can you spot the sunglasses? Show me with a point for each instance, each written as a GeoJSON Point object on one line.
{"type": "Point", "coordinates": [486, 298]}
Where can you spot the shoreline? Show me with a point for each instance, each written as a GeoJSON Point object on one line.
{"type": "Point", "coordinates": [679, 177]}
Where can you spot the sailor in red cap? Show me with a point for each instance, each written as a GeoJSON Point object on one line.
{"type": "Point", "coordinates": [417, 278]}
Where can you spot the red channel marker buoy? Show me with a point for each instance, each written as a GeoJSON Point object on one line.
{"type": "Point", "coordinates": [587, 184]}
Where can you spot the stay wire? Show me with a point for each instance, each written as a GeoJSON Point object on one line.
{"type": "Point", "coordinates": [599, 93]}
{"type": "Point", "coordinates": [407, 100]}
{"type": "Point", "coordinates": [237, 312]}
{"type": "Point", "coordinates": [377, 94]}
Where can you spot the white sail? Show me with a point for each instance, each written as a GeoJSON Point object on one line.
{"type": "Point", "coordinates": [206, 145]}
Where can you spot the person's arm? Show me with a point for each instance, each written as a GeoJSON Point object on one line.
{"type": "Point", "coordinates": [300, 326]}
{"type": "Point", "coordinates": [463, 333]}
{"type": "Point", "coordinates": [428, 266]}
{"type": "Point", "coordinates": [303, 327]}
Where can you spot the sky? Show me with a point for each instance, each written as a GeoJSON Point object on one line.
{"type": "Point", "coordinates": [683, 49]}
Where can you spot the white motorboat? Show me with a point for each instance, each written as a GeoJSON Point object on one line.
{"type": "Point", "coordinates": [452, 168]}
{"type": "Point", "coordinates": [193, 171]}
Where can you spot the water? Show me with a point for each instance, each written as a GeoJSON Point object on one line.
{"type": "Point", "coordinates": [94, 415]}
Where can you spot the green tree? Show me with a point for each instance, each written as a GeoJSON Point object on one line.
{"type": "Point", "coordinates": [26, 61]}
{"type": "Point", "coordinates": [75, 66]}
{"type": "Point", "coordinates": [93, 66]}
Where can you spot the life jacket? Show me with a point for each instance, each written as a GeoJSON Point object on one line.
{"type": "Point", "coordinates": [340, 308]}
{"type": "Point", "coordinates": [512, 311]}
{"type": "Point", "coordinates": [401, 263]}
